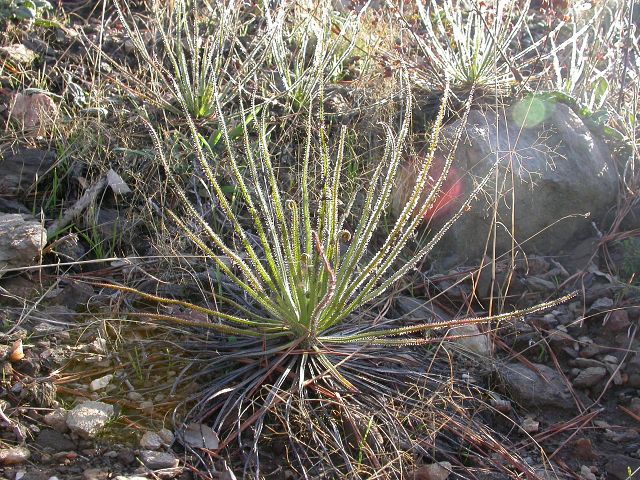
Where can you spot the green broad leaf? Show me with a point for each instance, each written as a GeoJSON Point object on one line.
{"type": "Point", "coordinates": [44, 22]}
{"type": "Point", "coordinates": [613, 133]}
{"type": "Point", "coordinates": [601, 90]}
{"type": "Point", "coordinates": [214, 138]}
{"type": "Point", "coordinates": [600, 116]}
{"type": "Point", "coordinates": [228, 189]}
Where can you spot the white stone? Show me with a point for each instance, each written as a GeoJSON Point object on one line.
{"type": "Point", "coordinates": [100, 383]}
{"type": "Point", "coordinates": [472, 340]}
{"type": "Point", "coordinates": [88, 418]}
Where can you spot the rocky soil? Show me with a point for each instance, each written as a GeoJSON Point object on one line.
{"type": "Point", "coordinates": [80, 399]}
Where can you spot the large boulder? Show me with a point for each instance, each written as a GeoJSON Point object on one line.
{"type": "Point", "coordinates": [554, 179]}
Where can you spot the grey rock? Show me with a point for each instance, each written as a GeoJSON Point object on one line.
{"type": "Point", "coordinates": [54, 441]}
{"type": "Point", "coordinates": [537, 284]}
{"type": "Point", "coordinates": [158, 460]}
{"type": "Point", "coordinates": [69, 249]}
{"type": "Point", "coordinates": [96, 474]}
{"type": "Point", "coordinates": [18, 53]}
{"type": "Point", "coordinates": [22, 238]}
{"type": "Point", "coordinates": [11, 206]}
{"type": "Point", "coordinates": [415, 309]}
{"type": "Point", "coordinates": [618, 466]}
{"type": "Point", "coordinates": [151, 441]}
{"type": "Point", "coordinates": [88, 418]}
{"type": "Point", "coordinates": [532, 389]}
{"type": "Point", "coordinates": [434, 471]}
{"type": "Point", "coordinates": [559, 169]}
{"type": "Point", "coordinates": [585, 362]}
{"type": "Point", "coordinates": [20, 169]}
{"type": "Point", "coordinates": [589, 377]}
{"type": "Point", "coordinates": [166, 436]}
{"type": "Point", "coordinates": [601, 305]}
{"type": "Point", "coordinates": [472, 340]}
{"type": "Point", "coordinates": [197, 435]}
{"type": "Point", "coordinates": [14, 455]}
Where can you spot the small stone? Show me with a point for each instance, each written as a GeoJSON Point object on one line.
{"type": "Point", "coordinates": [99, 346]}
{"type": "Point", "coordinates": [158, 460]}
{"type": "Point", "coordinates": [529, 425]}
{"type": "Point", "coordinates": [618, 467]}
{"type": "Point", "coordinates": [610, 359]}
{"type": "Point", "coordinates": [54, 441]}
{"type": "Point", "coordinates": [559, 338]}
{"type": "Point", "coordinates": [434, 471]}
{"type": "Point", "coordinates": [19, 54]}
{"type": "Point", "coordinates": [589, 377]}
{"type": "Point", "coordinates": [88, 418]}
{"type": "Point", "coordinates": [583, 449]}
{"type": "Point", "coordinates": [472, 340]}
{"type": "Point", "coordinates": [586, 473]}
{"type": "Point", "coordinates": [96, 474]}
{"type": "Point", "coordinates": [100, 383]}
{"type": "Point", "coordinates": [167, 436]}
{"type": "Point", "coordinates": [126, 457]}
{"type": "Point", "coordinates": [197, 435]}
{"type": "Point", "coordinates": [34, 110]}
{"type": "Point", "coordinates": [601, 305]}
{"type": "Point", "coordinates": [135, 396]}
{"type": "Point", "coordinates": [538, 387]}
{"type": "Point", "coordinates": [14, 455]}
{"type": "Point", "coordinates": [146, 407]}
{"type": "Point", "coordinates": [585, 363]}
{"type": "Point", "coordinates": [618, 321]}
{"type": "Point", "coordinates": [57, 419]}
{"type": "Point", "coordinates": [151, 441]}
{"type": "Point", "coordinates": [537, 284]}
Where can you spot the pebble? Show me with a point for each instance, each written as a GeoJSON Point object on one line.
{"type": "Point", "coordinates": [14, 455]}
{"type": "Point", "coordinates": [618, 321]}
{"type": "Point", "coordinates": [530, 425]}
{"type": "Point", "coordinates": [617, 467]}
{"type": "Point", "coordinates": [100, 383]}
{"type": "Point", "coordinates": [544, 389]}
{"type": "Point", "coordinates": [146, 407]}
{"type": "Point", "coordinates": [586, 473]}
{"type": "Point", "coordinates": [96, 474]}
{"type": "Point", "coordinates": [135, 396]}
{"type": "Point", "coordinates": [472, 340]}
{"type": "Point", "coordinates": [167, 436]}
{"type": "Point", "coordinates": [601, 305]}
{"type": "Point", "coordinates": [589, 377]}
{"type": "Point", "coordinates": [151, 441]}
{"type": "Point", "coordinates": [158, 460]}
{"type": "Point", "coordinates": [434, 471]}
{"type": "Point", "coordinates": [88, 418]}
{"type": "Point", "coordinates": [18, 53]}
{"type": "Point", "coordinates": [57, 419]}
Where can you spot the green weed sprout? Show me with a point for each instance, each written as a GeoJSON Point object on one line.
{"type": "Point", "coordinates": [197, 41]}
{"type": "Point", "coordinates": [291, 338]}
{"type": "Point", "coordinates": [322, 43]}
{"type": "Point", "coordinates": [471, 43]}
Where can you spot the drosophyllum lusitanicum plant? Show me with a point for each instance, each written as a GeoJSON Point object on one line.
{"type": "Point", "coordinates": [294, 348]}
